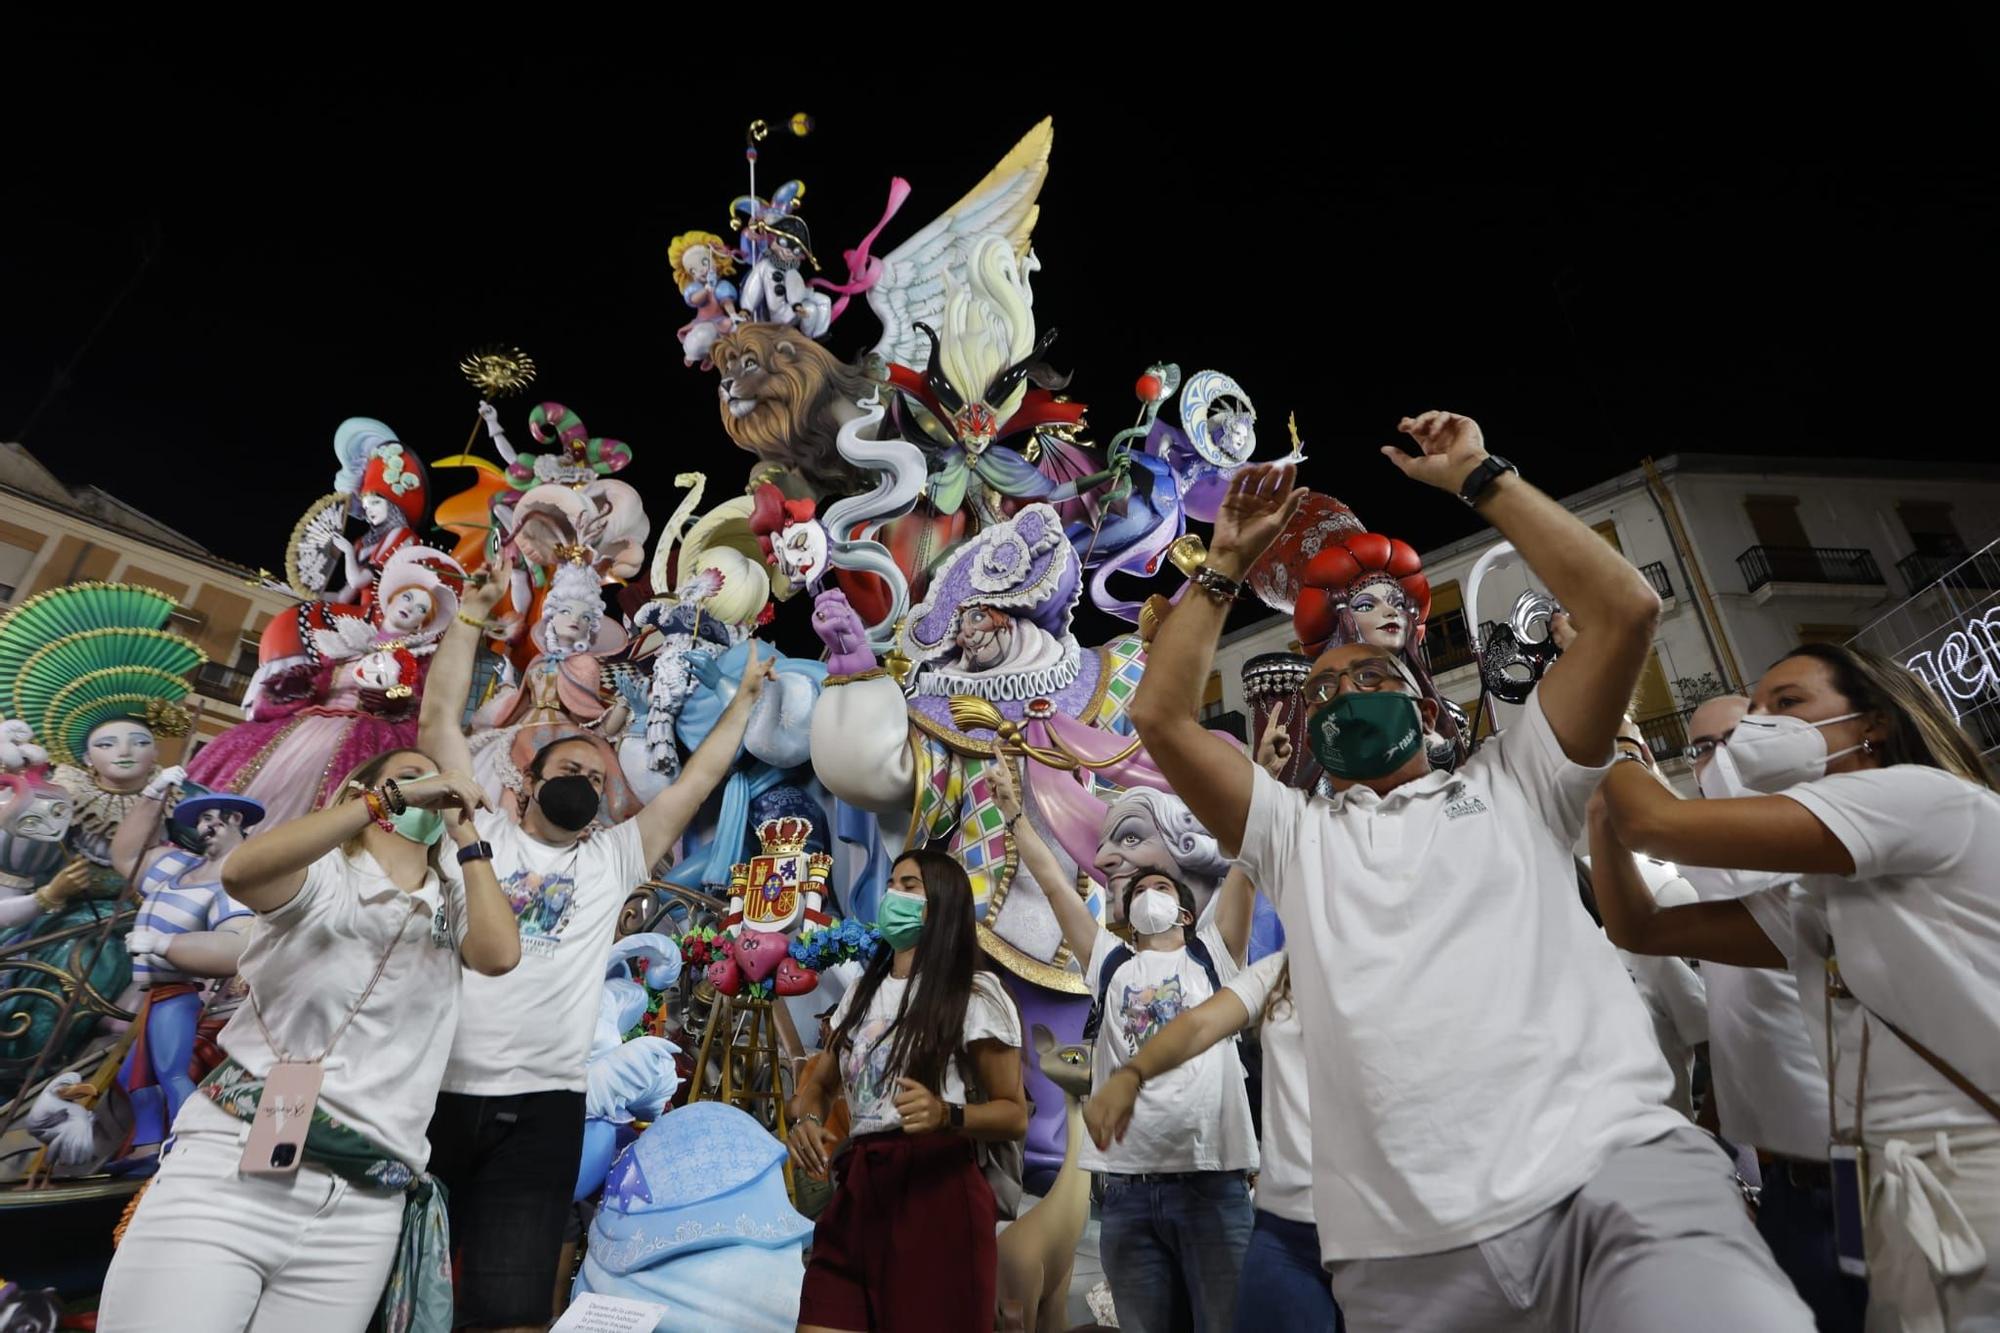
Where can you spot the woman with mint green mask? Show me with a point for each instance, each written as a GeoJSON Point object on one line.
{"type": "Point", "coordinates": [365, 918]}
{"type": "Point", "coordinates": [927, 1047]}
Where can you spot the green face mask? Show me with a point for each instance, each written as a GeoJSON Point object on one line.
{"type": "Point", "coordinates": [424, 826]}
{"type": "Point", "coordinates": [1358, 736]}
{"type": "Point", "coordinates": [900, 919]}
{"type": "Point", "coordinates": [419, 826]}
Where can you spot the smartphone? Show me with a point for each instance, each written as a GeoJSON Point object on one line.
{"type": "Point", "coordinates": [1849, 1163]}
{"type": "Point", "coordinates": [277, 1139]}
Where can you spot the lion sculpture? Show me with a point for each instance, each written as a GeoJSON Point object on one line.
{"type": "Point", "coordinates": [784, 398]}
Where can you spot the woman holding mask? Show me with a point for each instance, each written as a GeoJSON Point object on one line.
{"type": "Point", "coordinates": [907, 1241]}
{"type": "Point", "coordinates": [1850, 773]}
{"type": "Point", "coordinates": [364, 919]}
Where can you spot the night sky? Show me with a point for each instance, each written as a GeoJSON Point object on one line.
{"type": "Point", "coordinates": [1768, 250]}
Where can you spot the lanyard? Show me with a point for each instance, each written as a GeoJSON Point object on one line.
{"type": "Point", "coordinates": [284, 1056]}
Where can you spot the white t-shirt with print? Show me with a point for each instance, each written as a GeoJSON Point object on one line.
{"type": "Point", "coordinates": [1284, 1181]}
{"type": "Point", "coordinates": [1478, 1050]}
{"type": "Point", "coordinates": [866, 1078]}
{"type": "Point", "coordinates": [1916, 929]}
{"type": "Point", "coordinates": [310, 960]}
{"type": "Point", "coordinates": [1194, 1118]}
{"type": "Point", "coordinates": [530, 1030]}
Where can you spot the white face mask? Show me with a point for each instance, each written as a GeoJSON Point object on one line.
{"type": "Point", "coordinates": [1772, 751]}
{"type": "Point", "coordinates": [1720, 781]}
{"type": "Point", "coordinates": [1154, 911]}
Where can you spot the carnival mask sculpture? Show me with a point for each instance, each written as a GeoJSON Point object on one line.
{"type": "Point", "coordinates": [1150, 832]}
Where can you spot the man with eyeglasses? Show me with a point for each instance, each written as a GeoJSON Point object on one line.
{"type": "Point", "coordinates": [1770, 1088]}
{"type": "Point", "coordinates": [1491, 1147]}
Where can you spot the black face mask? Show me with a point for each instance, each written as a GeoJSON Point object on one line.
{"type": "Point", "coordinates": [570, 803]}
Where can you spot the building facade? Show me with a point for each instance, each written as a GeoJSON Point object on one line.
{"type": "Point", "coordinates": [1751, 556]}
{"type": "Point", "coordinates": [52, 534]}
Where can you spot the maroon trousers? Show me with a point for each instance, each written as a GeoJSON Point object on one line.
{"type": "Point", "coordinates": [907, 1241]}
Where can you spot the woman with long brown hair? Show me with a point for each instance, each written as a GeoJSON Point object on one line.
{"type": "Point", "coordinates": [907, 1241]}
{"type": "Point", "coordinates": [1850, 773]}
{"type": "Point", "coordinates": [353, 967]}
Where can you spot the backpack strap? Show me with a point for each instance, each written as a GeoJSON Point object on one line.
{"type": "Point", "coordinates": [1199, 952]}
{"type": "Point", "coordinates": [1108, 969]}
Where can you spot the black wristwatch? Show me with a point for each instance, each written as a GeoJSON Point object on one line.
{"type": "Point", "coordinates": [954, 1116]}
{"type": "Point", "coordinates": [475, 851]}
{"type": "Point", "coordinates": [1481, 478]}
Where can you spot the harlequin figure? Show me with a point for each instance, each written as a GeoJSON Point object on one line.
{"type": "Point", "coordinates": [992, 649]}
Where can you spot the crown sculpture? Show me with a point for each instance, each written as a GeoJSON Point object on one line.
{"type": "Point", "coordinates": [770, 894]}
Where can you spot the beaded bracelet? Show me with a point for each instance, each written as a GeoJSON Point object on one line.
{"type": "Point", "coordinates": [464, 619]}
{"type": "Point", "coordinates": [373, 800]}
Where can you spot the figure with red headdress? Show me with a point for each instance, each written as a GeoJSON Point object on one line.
{"type": "Point", "coordinates": [352, 690]}
{"type": "Point", "coordinates": [386, 486]}
{"type": "Point", "coordinates": [1368, 588]}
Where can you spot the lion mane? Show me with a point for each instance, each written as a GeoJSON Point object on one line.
{"type": "Point", "coordinates": [799, 389]}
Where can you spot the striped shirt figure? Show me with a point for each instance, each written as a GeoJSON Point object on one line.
{"type": "Point", "coordinates": [174, 909]}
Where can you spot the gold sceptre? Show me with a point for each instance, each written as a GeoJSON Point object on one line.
{"type": "Point", "coordinates": [496, 372]}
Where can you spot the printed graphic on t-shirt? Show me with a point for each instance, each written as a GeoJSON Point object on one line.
{"type": "Point", "coordinates": [867, 1074]}
{"type": "Point", "coordinates": [1147, 1009]}
{"type": "Point", "coordinates": [543, 905]}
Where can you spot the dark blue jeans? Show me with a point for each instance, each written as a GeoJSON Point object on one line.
{"type": "Point", "coordinates": [1172, 1249]}
{"type": "Point", "coordinates": [1283, 1285]}
{"type": "Point", "coordinates": [1796, 1221]}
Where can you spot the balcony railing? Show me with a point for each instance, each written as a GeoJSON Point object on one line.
{"type": "Point", "coordinates": [221, 682]}
{"type": "Point", "coordinates": [1920, 570]}
{"type": "Point", "coordinates": [1656, 574]}
{"type": "Point", "coordinates": [1807, 564]}
{"type": "Point", "coordinates": [1666, 733]}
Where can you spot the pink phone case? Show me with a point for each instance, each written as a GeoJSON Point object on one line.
{"type": "Point", "coordinates": [284, 1114]}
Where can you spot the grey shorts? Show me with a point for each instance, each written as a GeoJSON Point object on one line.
{"type": "Point", "coordinates": [1659, 1241]}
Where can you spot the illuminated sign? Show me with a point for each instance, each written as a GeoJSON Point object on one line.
{"type": "Point", "coordinates": [1965, 665]}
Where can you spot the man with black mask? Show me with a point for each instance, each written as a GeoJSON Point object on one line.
{"type": "Point", "coordinates": [508, 1131]}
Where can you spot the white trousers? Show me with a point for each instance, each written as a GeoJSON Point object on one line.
{"type": "Point", "coordinates": [1933, 1233]}
{"type": "Point", "coordinates": [215, 1251]}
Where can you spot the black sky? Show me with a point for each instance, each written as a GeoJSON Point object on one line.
{"type": "Point", "coordinates": [1744, 247]}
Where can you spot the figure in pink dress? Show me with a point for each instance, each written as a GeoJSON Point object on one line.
{"type": "Point", "coordinates": [360, 699]}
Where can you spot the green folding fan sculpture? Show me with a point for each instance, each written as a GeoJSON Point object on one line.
{"type": "Point", "coordinates": [76, 657]}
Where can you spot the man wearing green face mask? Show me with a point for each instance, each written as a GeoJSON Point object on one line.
{"type": "Point", "coordinates": [1490, 1143]}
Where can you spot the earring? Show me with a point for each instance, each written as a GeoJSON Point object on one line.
{"type": "Point", "coordinates": [1867, 746]}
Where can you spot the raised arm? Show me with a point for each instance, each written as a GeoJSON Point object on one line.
{"type": "Point", "coordinates": [1079, 927]}
{"type": "Point", "coordinates": [138, 834]}
{"type": "Point", "coordinates": [492, 944]}
{"type": "Point", "coordinates": [1108, 1113]}
{"type": "Point", "coordinates": [268, 871]}
{"type": "Point", "coordinates": [1733, 833]}
{"type": "Point", "coordinates": [1716, 932]}
{"type": "Point", "coordinates": [667, 815]}
{"type": "Point", "coordinates": [1206, 771]}
{"type": "Point", "coordinates": [440, 731]}
{"type": "Point", "coordinates": [1612, 607]}
{"type": "Point", "coordinates": [1236, 900]}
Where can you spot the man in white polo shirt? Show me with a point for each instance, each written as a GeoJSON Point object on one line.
{"type": "Point", "coordinates": [1770, 1088]}
{"type": "Point", "coordinates": [1490, 1145]}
